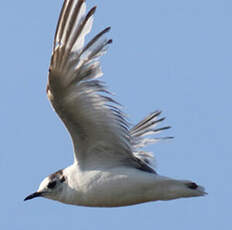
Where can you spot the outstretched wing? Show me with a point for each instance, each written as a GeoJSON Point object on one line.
{"type": "Point", "coordinates": [98, 128]}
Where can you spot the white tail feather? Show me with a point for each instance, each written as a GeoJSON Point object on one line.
{"type": "Point", "coordinates": [168, 189]}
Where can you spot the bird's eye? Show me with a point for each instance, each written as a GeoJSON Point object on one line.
{"type": "Point", "coordinates": [52, 184]}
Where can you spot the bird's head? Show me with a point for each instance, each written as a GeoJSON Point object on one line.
{"type": "Point", "coordinates": [51, 187]}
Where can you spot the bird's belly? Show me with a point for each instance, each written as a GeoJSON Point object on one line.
{"type": "Point", "coordinates": [117, 187]}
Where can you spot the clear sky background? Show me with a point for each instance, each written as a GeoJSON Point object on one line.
{"type": "Point", "coordinates": [173, 55]}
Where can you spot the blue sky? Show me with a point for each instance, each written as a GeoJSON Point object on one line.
{"type": "Point", "coordinates": [170, 55]}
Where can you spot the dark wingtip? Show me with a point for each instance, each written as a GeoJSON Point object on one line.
{"type": "Point", "coordinates": [91, 12]}
{"type": "Point", "coordinates": [107, 29]}
{"type": "Point", "coordinates": [161, 129]}
{"type": "Point", "coordinates": [156, 113]}
{"type": "Point", "coordinates": [167, 138]}
{"type": "Point", "coordinates": [110, 41]}
{"type": "Point", "coordinates": [192, 185]}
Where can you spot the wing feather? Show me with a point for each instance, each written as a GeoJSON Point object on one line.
{"type": "Point", "coordinates": [143, 129]}
{"type": "Point", "coordinates": [99, 130]}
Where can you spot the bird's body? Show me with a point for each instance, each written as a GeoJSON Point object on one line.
{"type": "Point", "coordinates": [114, 187]}
{"type": "Point", "coordinates": [118, 186]}
{"type": "Point", "coordinates": [110, 168]}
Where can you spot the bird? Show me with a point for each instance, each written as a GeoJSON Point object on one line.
{"type": "Point", "coordinates": [110, 168]}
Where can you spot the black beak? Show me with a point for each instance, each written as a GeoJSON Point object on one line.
{"type": "Point", "coordinates": [33, 195]}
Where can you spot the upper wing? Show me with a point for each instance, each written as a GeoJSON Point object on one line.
{"type": "Point", "coordinates": [98, 128]}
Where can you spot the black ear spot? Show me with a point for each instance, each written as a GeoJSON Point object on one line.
{"type": "Point", "coordinates": [52, 184]}
{"type": "Point", "coordinates": [62, 179]}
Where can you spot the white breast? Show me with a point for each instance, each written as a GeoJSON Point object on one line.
{"type": "Point", "coordinates": [109, 188]}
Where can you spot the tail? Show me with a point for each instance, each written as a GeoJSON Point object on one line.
{"type": "Point", "coordinates": [170, 189]}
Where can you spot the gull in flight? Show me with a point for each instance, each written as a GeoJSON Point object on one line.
{"type": "Point", "coordinates": [110, 168]}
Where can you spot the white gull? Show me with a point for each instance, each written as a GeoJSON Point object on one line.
{"type": "Point", "coordinates": [110, 168]}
